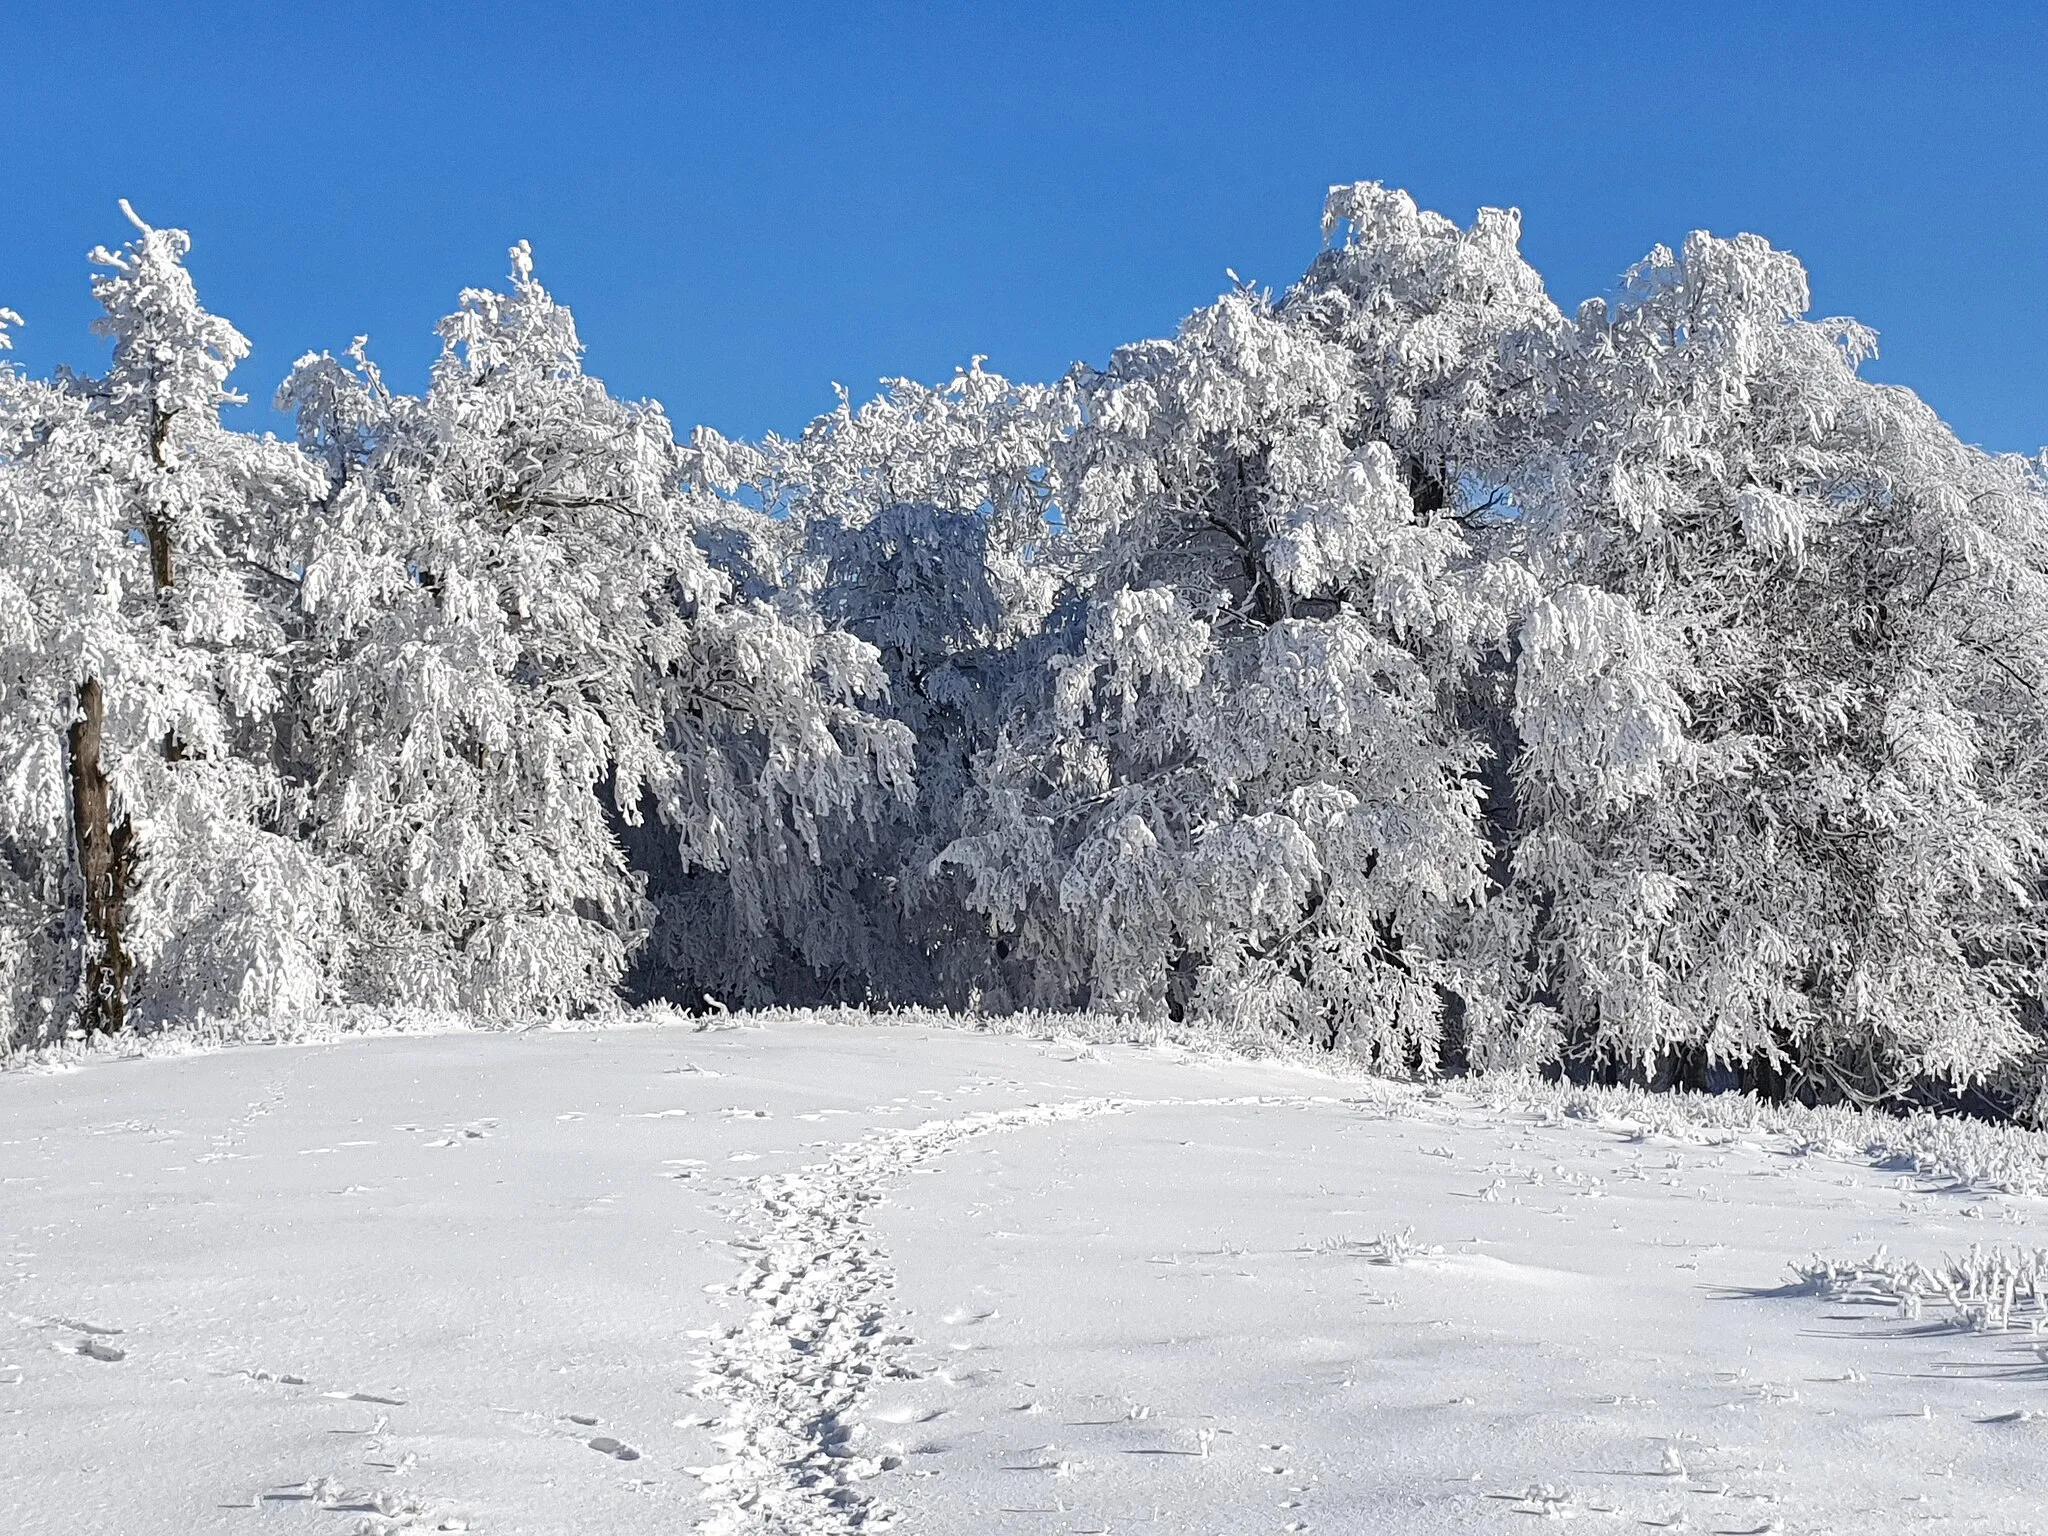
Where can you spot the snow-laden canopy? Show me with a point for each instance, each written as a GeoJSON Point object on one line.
{"type": "Point", "coordinates": [1394, 663]}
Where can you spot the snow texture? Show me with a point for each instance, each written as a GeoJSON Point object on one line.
{"type": "Point", "coordinates": [807, 1274]}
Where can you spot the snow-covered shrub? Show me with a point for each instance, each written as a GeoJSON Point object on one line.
{"type": "Point", "coordinates": [1988, 1290]}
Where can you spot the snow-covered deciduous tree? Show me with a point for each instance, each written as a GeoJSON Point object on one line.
{"type": "Point", "coordinates": [919, 524]}
{"type": "Point", "coordinates": [38, 959]}
{"type": "Point", "coordinates": [1247, 791]}
{"type": "Point", "coordinates": [143, 675]}
{"type": "Point", "coordinates": [1396, 665]}
{"type": "Point", "coordinates": [523, 653]}
{"type": "Point", "coordinates": [1784, 753]}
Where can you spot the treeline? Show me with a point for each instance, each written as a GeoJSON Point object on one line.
{"type": "Point", "coordinates": [1396, 663]}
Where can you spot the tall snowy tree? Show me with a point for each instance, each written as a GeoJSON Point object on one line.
{"type": "Point", "coordinates": [1247, 793]}
{"type": "Point", "coordinates": [1784, 765]}
{"type": "Point", "coordinates": [39, 965]}
{"type": "Point", "coordinates": [525, 653]}
{"type": "Point", "coordinates": [143, 672]}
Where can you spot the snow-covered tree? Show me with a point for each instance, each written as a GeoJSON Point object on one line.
{"type": "Point", "coordinates": [524, 653]}
{"type": "Point", "coordinates": [919, 524]}
{"type": "Point", "coordinates": [1395, 664]}
{"type": "Point", "coordinates": [142, 677]}
{"type": "Point", "coordinates": [1247, 791]}
{"type": "Point", "coordinates": [1784, 754]}
{"type": "Point", "coordinates": [39, 965]}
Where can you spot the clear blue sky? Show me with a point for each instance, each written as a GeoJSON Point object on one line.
{"type": "Point", "coordinates": [744, 203]}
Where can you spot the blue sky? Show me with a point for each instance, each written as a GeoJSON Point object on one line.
{"type": "Point", "coordinates": [746, 203]}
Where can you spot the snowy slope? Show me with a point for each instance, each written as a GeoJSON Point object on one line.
{"type": "Point", "coordinates": [812, 1276]}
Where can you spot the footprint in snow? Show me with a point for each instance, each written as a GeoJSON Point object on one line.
{"type": "Point", "coordinates": [93, 1346]}
{"type": "Point", "coordinates": [455, 1135]}
{"type": "Point", "coordinates": [618, 1450]}
{"type": "Point", "coordinates": [909, 1413]}
{"type": "Point", "coordinates": [77, 1327]}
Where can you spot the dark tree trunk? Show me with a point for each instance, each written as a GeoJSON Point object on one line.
{"type": "Point", "coordinates": [156, 525]}
{"type": "Point", "coordinates": [162, 551]}
{"type": "Point", "coordinates": [160, 565]}
{"type": "Point", "coordinates": [106, 855]}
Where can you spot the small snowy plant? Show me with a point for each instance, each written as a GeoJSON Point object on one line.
{"type": "Point", "coordinates": [1988, 1290]}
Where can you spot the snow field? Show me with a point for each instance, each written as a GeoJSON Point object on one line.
{"type": "Point", "coordinates": [503, 1235]}
{"type": "Point", "coordinates": [811, 1278]}
{"type": "Point", "coordinates": [1334, 1316]}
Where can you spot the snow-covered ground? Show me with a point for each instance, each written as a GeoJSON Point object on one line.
{"type": "Point", "coordinates": [809, 1275]}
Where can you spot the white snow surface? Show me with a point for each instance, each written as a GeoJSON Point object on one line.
{"type": "Point", "coordinates": [807, 1275]}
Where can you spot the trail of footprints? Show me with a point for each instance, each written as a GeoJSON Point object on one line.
{"type": "Point", "coordinates": [818, 1338]}
{"type": "Point", "coordinates": [816, 1218]}
{"type": "Point", "coordinates": [819, 1342]}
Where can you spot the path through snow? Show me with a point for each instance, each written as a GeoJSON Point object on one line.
{"type": "Point", "coordinates": [488, 1282]}
{"type": "Point", "coordinates": [820, 1337]}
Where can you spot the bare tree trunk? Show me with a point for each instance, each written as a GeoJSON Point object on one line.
{"type": "Point", "coordinates": [106, 855]}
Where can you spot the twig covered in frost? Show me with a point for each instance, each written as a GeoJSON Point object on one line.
{"type": "Point", "coordinates": [1987, 1290]}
